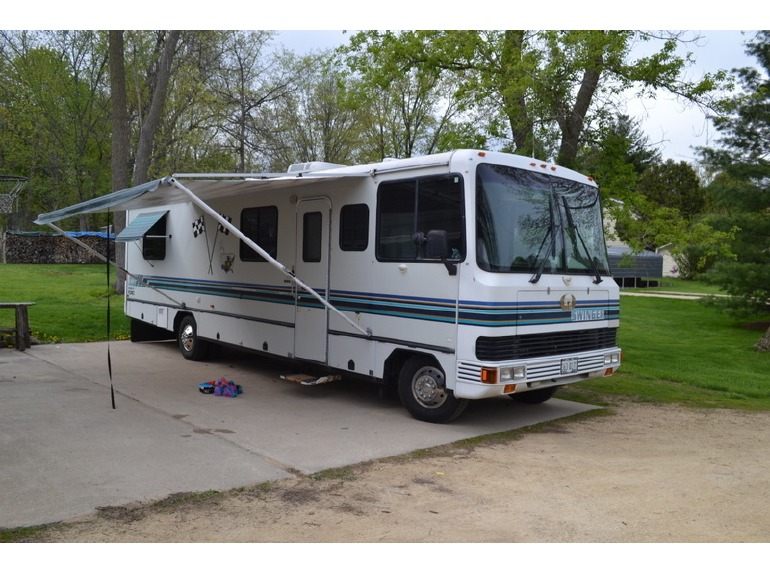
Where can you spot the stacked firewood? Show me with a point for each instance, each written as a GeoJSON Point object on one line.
{"type": "Point", "coordinates": [21, 247]}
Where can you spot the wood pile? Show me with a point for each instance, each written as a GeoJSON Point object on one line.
{"type": "Point", "coordinates": [23, 247]}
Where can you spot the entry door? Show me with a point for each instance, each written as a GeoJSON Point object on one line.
{"type": "Point", "coordinates": [312, 268]}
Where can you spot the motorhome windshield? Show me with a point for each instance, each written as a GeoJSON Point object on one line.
{"type": "Point", "coordinates": [530, 222]}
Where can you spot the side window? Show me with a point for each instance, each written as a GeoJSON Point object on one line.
{"type": "Point", "coordinates": [312, 234]}
{"type": "Point", "coordinates": [395, 220]}
{"type": "Point", "coordinates": [154, 241]}
{"type": "Point", "coordinates": [260, 224]}
{"type": "Point", "coordinates": [408, 210]}
{"type": "Point", "coordinates": [354, 227]}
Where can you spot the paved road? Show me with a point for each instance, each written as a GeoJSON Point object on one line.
{"type": "Point", "coordinates": [64, 451]}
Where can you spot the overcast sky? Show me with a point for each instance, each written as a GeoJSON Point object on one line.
{"type": "Point", "coordinates": [673, 127]}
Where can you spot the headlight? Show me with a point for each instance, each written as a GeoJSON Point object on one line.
{"type": "Point", "coordinates": [513, 373]}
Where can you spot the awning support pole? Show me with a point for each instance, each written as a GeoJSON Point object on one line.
{"type": "Point", "coordinates": [277, 264]}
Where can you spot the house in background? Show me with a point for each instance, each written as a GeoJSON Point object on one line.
{"type": "Point", "coordinates": [670, 267]}
{"type": "Point", "coordinates": [630, 269]}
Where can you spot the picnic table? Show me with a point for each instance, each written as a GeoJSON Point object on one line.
{"type": "Point", "coordinates": [21, 330]}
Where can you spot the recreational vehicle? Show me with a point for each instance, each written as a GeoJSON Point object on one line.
{"type": "Point", "coordinates": [450, 277]}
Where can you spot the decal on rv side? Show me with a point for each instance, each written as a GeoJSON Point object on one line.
{"type": "Point", "coordinates": [588, 315]}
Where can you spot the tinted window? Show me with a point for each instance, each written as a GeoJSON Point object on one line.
{"type": "Point", "coordinates": [311, 237]}
{"type": "Point", "coordinates": [408, 210]}
{"type": "Point", "coordinates": [154, 241]}
{"type": "Point", "coordinates": [354, 227]}
{"type": "Point", "coordinates": [260, 224]}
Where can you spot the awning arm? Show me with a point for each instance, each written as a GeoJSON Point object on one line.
{"type": "Point", "coordinates": [101, 257]}
{"type": "Point", "coordinates": [277, 264]}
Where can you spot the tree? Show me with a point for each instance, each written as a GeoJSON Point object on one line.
{"type": "Point", "coordinates": [318, 121]}
{"type": "Point", "coordinates": [616, 156]}
{"type": "Point", "coordinates": [543, 87]}
{"type": "Point", "coordinates": [119, 109]}
{"type": "Point", "coordinates": [189, 137]}
{"type": "Point", "coordinates": [741, 190]}
{"type": "Point", "coordinates": [651, 203]}
{"type": "Point", "coordinates": [406, 111]}
{"type": "Point", "coordinates": [673, 184]}
{"type": "Point", "coordinates": [159, 81]}
{"type": "Point", "coordinates": [54, 108]}
{"type": "Point", "coordinates": [251, 83]}
{"type": "Point", "coordinates": [622, 135]}
{"type": "Point", "coordinates": [160, 77]}
{"type": "Point", "coordinates": [121, 133]}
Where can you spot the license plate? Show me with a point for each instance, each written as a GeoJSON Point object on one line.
{"type": "Point", "coordinates": [569, 366]}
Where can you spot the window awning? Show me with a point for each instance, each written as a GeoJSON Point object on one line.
{"type": "Point", "coordinates": [140, 225]}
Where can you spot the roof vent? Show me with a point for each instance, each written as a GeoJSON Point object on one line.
{"type": "Point", "coordinates": [311, 166]}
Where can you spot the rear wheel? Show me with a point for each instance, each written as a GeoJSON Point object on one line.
{"type": "Point", "coordinates": [423, 392]}
{"type": "Point", "coordinates": [191, 346]}
{"type": "Point", "coordinates": [535, 397]}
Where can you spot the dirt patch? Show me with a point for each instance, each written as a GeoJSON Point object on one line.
{"type": "Point", "coordinates": [643, 473]}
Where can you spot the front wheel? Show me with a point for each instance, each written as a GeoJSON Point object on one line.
{"type": "Point", "coordinates": [191, 346]}
{"type": "Point", "coordinates": [535, 397]}
{"type": "Point", "coordinates": [423, 392]}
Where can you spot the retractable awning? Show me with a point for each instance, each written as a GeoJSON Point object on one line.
{"type": "Point", "coordinates": [139, 226]}
{"type": "Point", "coordinates": [164, 191]}
{"type": "Point", "coordinates": [123, 198]}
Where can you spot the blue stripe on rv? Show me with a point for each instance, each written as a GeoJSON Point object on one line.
{"type": "Point", "coordinates": [474, 313]}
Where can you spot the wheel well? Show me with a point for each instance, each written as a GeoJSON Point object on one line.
{"type": "Point", "coordinates": [141, 331]}
{"type": "Point", "coordinates": [178, 320]}
{"type": "Point", "coordinates": [394, 363]}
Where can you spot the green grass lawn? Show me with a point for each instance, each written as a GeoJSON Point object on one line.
{"type": "Point", "coordinates": [674, 351]}
{"type": "Point", "coordinates": [70, 301]}
{"type": "Point", "coordinates": [680, 351]}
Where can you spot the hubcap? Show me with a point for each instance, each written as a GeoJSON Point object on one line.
{"type": "Point", "coordinates": [188, 338]}
{"type": "Point", "coordinates": [428, 387]}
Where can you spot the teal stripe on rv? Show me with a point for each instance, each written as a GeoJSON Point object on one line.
{"type": "Point", "coordinates": [475, 313]}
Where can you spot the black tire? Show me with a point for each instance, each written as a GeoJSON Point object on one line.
{"type": "Point", "coordinates": [535, 397]}
{"type": "Point", "coordinates": [191, 346]}
{"type": "Point", "coordinates": [422, 390]}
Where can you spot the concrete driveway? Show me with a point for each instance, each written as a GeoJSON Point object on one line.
{"type": "Point", "coordinates": [64, 451]}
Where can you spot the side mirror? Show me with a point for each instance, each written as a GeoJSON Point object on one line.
{"type": "Point", "coordinates": [437, 244]}
{"type": "Point", "coordinates": [437, 247]}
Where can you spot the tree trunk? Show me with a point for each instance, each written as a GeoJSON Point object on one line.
{"type": "Point", "coordinates": [572, 124]}
{"type": "Point", "coordinates": [513, 91]}
{"type": "Point", "coordinates": [120, 142]}
{"type": "Point", "coordinates": [155, 113]}
{"type": "Point", "coordinates": [764, 342]}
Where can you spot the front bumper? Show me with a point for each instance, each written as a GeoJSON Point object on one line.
{"type": "Point", "coordinates": [476, 380]}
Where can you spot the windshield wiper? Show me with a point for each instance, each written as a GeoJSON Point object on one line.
{"type": "Point", "coordinates": [552, 232]}
{"type": "Point", "coordinates": [571, 225]}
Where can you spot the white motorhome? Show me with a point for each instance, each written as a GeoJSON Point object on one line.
{"type": "Point", "coordinates": [457, 276]}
